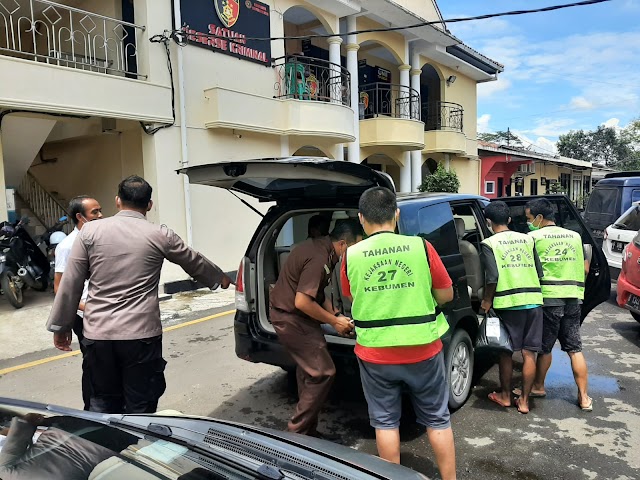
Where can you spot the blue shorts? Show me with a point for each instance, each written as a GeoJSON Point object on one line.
{"type": "Point", "coordinates": [426, 382]}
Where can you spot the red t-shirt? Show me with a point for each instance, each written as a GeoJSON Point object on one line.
{"type": "Point", "coordinates": [402, 355]}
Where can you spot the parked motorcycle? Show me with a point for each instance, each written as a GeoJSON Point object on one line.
{"type": "Point", "coordinates": [49, 240]}
{"type": "Point", "coordinates": [22, 263]}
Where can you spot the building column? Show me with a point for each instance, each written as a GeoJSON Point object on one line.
{"type": "Point", "coordinates": [416, 155]}
{"type": "Point", "coordinates": [352, 66]}
{"type": "Point", "coordinates": [4, 213]}
{"type": "Point", "coordinates": [336, 83]}
{"type": "Point", "coordinates": [405, 169]}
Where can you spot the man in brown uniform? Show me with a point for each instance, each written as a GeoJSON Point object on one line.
{"type": "Point", "coordinates": [299, 307]}
{"type": "Point", "coordinates": [122, 257]}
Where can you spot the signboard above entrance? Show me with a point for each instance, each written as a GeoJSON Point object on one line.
{"type": "Point", "coordinates": [225, 25]}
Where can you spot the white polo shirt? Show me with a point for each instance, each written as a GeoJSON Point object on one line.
{"type": "Point", "coordinates": [63, 250]}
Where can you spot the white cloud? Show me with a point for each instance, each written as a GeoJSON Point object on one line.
{"type": "Point", "coordinates": [551, 127]}
{"type": "Point", "coordinates": [483, 123]}
{"type": "Point", "coordinates": [540, 144]}
{"type": "Point", "coordinates": [612, 122]}
{"type": "Point", "coordinates": [580, 103]}
{"type": "Point", "coordinates": [489, 89]}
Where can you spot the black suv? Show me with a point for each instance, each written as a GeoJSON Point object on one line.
{"type": "Point", "coordinates": [454, 223]}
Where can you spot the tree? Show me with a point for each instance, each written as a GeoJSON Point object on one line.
{"type": "Point", "coordinates": [604, 145]}
{"type": "Point", "coordinates": [502, 137]}
{"type": "Point", "coordinates": [441, 181]}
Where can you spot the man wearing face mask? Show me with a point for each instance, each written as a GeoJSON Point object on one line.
{"type": "Point", "coordinates": [82, 209]}
{"type": "Point", "coordinates": [512, 286]}
{"type": "Point", "coordinates": [299, 307]}
{"type": "Point", "coordinates": [122, 257]}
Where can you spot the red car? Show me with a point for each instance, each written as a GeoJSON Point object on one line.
{"type": "Point", "coordinates": [629, 279]}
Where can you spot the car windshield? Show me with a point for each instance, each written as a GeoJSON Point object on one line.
{"type": "Point", "coordinates": [35, 445]}
{"type": "Point", "coordinates": [630, 220]}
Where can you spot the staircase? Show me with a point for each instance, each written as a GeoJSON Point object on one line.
{"type": "Point", "coordinates": [44, 210]}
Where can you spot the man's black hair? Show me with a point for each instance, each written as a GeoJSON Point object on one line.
{"type": "Point", "coordinates": [135, 191]}
{"type": "Point", "coordinates": [378, 205]}
{"type": "Point", "coordinates": [543, 207]}
{"type": "Point", "coordinates": [498, 212]}
{"type": "Point", "coordinates": [76, 205]}
{"type": "Point", "coordinates": [348, 230]}
{"type": "Point", "coordinates": [319, 224]}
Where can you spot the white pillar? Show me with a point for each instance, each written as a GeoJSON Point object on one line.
{"type": "Point", "coordinates": [336, 83]}
{"type": "Point", "coordinates": [416, 155]}
{"type": "Point", "coordinates": [4, 212]}
{"type": "Point", "coordinates": [405, 169]}
{"type": "Point", "coordinates": [352, 66]}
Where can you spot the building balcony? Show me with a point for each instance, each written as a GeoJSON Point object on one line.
{"type": "Point", "coordinates": [62, 59]}
{"type": "Point", "coordinates": [390, 117]}
{"type": "Point", "coordinates": [443, 128]}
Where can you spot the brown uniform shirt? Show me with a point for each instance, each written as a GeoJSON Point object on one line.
{"type": "Point", "coordinates": [307, 270]}
{"type": "Point", "coordinates": [122, 257]}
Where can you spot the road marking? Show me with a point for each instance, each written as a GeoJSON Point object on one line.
{"type": "Point", "coordinates": [77, 352]}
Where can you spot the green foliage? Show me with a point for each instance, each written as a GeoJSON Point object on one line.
{"type": "Point", "coordinates": [502, 137]}
{"type": "Point", "coordinates": [441, 181]}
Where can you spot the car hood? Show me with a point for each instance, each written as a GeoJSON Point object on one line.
{"type": "Point", "coordinates": [291, 178]}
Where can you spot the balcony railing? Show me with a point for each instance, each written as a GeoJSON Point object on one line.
{"type": "Point", "coordinates": [308, 78]}
{"type": "Point", "coordinates": [48, 32]}
{"type": "Point", "coordinates": [389, 100]}
{"type": "Point", "coordinates": [442, 116]}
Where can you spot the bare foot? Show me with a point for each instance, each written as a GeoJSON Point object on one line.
{"type": "Point", "coordinates": [498, 398]}
{"type": "Point", "coordinates": [524, 409]}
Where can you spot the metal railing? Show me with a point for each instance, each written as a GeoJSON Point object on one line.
{"type": "Point", "coordinates": [46, 31]}
{"type": "Point", "coordinates": [43, 205]}
{"type": "Point", "coordinates": [442, 116]}
{"type": "Point", "coordinates": [390, 100]}
{"type": "Point", "coordinates": [308, 78]}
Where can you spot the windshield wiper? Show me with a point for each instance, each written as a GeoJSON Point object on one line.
{"type": "Point", "coordinates": [164, 432]}
{"type": "Point", "coordinates": [620, 226]}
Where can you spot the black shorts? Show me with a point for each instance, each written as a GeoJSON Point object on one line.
{"type": "Point", "coordinates": [562, 323]}
{"type": "Point", "coordinates": [524, 327]}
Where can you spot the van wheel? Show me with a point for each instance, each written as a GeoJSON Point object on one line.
{"type": "Point", "coordinates": [459, 364]}
{"type": "Point", "coordinates": [636, 316]}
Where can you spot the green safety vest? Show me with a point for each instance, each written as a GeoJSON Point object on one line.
{"type": "Point", "coordinates": [562, 256]}
{"type": "Point", "coordinates": [391, 288]}
{"type": "Point", "coordinates": [518, 282]}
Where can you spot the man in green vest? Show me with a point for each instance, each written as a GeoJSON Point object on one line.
{"type": "Point", "coordinates": [562, 256]}
{"type": "Point", "coordinates": [512, 286]}
{"type": "Point", "coordinates": [397, 284]}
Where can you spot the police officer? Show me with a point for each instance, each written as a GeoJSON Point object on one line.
{"type": "Point", "coordinates": [563, 261]}
{"type": "Point", "coordinates": [512, 286]}
{"type": "Point", "coordinates": [397, 283]}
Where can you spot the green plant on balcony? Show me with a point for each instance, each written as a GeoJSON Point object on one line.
{"type": "Point", "coordinates": [441, 181]}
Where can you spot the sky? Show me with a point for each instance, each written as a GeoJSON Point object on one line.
{"type": "Point", "coordinates": [564, 70]}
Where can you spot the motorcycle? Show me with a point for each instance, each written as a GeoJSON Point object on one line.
{"type": "Point", "coordinates": [22, 263]}
{"type": "Point", "coordinates": [49, 240]}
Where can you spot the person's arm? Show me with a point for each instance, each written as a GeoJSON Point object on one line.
{"type": "Point", "coordinates": [194, 263]}
{"type": "Point", "coordinates": [536, 260]}
{"type": "Point", "coordinates": [67, 299]}
{"type": "Point", "coordinates": [587, 250]}
{"type": "Point", "coordinates": [441, 283]}
{"type": "Point", "coordinates": [490, 276]}
{"type": "Point", "coordinates": [344, 280]}
{"type": "Point", "coordinates": [310, 307]}
{"type": "Point", "coordinates": [57, 278]}
{"type": "Point", "coordinates": [61, 259]}
{"type": "Point", "coordinates": [18, 441]}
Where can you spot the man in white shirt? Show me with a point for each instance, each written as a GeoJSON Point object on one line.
{"type": "Point", "coordinates": [82, 209]}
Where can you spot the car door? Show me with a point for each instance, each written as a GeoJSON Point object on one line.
{"type": "Point", "coordinates": [598, 281]}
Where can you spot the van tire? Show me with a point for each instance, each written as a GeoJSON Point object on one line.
{"type": "Point", "coordinates": [459, 359]}
{"type": "Point", "coordinates": [636, 316]}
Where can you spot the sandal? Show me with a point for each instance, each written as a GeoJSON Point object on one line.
{"type": "Point", "coordinates": [588, 407]}
{"type": "Point", "coordinates": [518, 393]}
{"type": "Point", "coordinates": [493, 396]}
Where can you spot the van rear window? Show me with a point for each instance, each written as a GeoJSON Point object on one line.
{"type": "Point", "coordinates": [603, 201]}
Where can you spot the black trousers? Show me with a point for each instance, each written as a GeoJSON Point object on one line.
{"type": "Point", "coordinates": [125, 376]}
{"type": "Point", "coordinates": [86, 384]}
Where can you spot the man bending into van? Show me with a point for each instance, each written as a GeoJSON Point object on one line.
{"type": "Point", "coordinates": [397, 284]}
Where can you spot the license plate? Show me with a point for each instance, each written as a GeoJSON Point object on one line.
{"type": "Point", "coordinates": [617, 246]}
{"type": "Point", "coordinates": [598, 233]}
{"type": "Point", "coordinates": [633, 302]}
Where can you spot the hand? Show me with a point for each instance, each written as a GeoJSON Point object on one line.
{"type": "Point", "coordinates": [226, 281]}
{"type": "Point", "coordinates": [62, 341]}
{"type": "Point", "coordinates": [343, 326]}
{"type": "Point", "coordinates": [485, 305]}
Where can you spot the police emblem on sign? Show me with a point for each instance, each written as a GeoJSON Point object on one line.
{"type": "Point", "coordinates": [228, 11]}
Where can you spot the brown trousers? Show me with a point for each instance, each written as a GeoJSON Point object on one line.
{"type": "Point", "coordinates": [304, 341]}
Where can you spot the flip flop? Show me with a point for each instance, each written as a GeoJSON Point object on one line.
{"type": "Point", "coordinates": [588, 407]}
{"type": "Point", "coordinates": [493, 396]}
{"type": "Point", "coordinates": [518, 393]}
{"type": "Point", "coordinates": [518, 407]}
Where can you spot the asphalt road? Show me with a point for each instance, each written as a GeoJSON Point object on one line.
{"type": "Point", "coordinates": [555, 441]}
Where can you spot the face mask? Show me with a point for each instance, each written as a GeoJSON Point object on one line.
{"type": "Point", "coordinates": [532, 227]}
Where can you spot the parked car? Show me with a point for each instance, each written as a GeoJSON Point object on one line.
{"type": "Point", "coordinates": [453, 223]}
{"type": "Point", "coordinates": [628, 288]}
{"type": "Point", "coordinates": [46, 441]}
{"type": "Point", "coordinates": [610, 198]}
{"type": "Point", "coordinates": [618, 235]}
